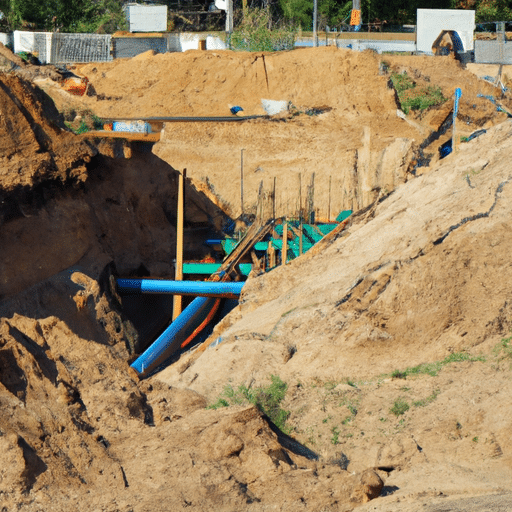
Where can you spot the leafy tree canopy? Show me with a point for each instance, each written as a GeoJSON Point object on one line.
{"type": "Point", "coordinates": [107, 16]}
{"type": "Point", "coordinates": [65, 15]}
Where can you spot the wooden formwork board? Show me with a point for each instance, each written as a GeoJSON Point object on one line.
{"type": "Point", "coordinates": [103, 134]}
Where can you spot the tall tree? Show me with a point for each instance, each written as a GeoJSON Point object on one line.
{"type": "Point", "coordinates": [65, 15]}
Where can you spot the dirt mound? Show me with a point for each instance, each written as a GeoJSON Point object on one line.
{"type": "Point", "coordinates": [414, 288]}
{"type": "Point", "coordinates": [207, 83]}
{"type": "Point", "coordinates": [76, 428]}
{"type": "Point", "coordinates": [34, 147]}
{"type": "Point", "coordinates": [357, 146]}
{"type": "Point", "coordinates": [384, 272]}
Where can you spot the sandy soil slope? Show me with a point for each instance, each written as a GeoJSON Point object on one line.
{"type": "Point", "coordinates": [356, 147]}
{"type": "Point", "coordinates": [424, 279]}
{"type": "Point", "coordinates": [33, 145]}
{"type": "Point", "coordinates": [421, 276]}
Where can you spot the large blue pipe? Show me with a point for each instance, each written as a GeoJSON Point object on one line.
{"type": "Point", "coordinates": [170, 340]}
{"type": "Point", "coordinates": [196, 288]}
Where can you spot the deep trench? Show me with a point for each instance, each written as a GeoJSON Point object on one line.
{"type": "Point", "coordinates": [150, 314]}
{"type": "Point", "coordinates": [118, 183]}
{"type": "Point", "coordinates": [139, 192]}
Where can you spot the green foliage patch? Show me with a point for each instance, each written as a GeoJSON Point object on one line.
{"type": "Point", "coordinates": [99, 16]}
{"type": "Point", "coordinates": [335, 439]}
{"type": "Point", "coordinates": [400, 407]}
{"type": "Point", "coordinates": [412, 97]}
{"type": "Point", "coordinates": [503, 350]}
{"type": "Point", "coordinates": [256, 33]}
{"type": "Point", "coordinates": [267, 399]}
{"type": "Point", "coordinates": [434, 368]}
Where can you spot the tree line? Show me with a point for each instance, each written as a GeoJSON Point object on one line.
{"type": "Point", "coordinates": [107, 16]}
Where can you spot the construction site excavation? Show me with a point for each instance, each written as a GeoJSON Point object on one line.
{"type": "Point", "coordinates": [255, 281]}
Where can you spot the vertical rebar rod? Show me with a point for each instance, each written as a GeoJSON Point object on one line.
{"type": "Point", "coordinates": [329, 203]}
{"type": "Point", "coordinates": [242, 180]}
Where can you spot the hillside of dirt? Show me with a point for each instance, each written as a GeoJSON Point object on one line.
{"type": "Point", "coordinates": [392, 339]}
{"type": "Point", "coordinates": [35, 148]}
{"type": "Point", "coordinates": [343, 126]}
{"type": "Point", "coordinates": [422, 279]}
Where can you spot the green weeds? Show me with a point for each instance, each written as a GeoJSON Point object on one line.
{"type": "Point", "coordinates": [400, 407]}
{"type": "Point", "coordinates": [434, 368]}
{"type": "Point", "coordinates": [335, 435]}
{"type": "Point", "coordinates": [428, 400]}
{"type": "Point", "coordinates": [267, 399]}
{"type": "Point", "coordinates": [503, 350]}
{"type": "Point", "coordinates": [412, 97]}
{"type": "Point", "coordinates": [254, 35]}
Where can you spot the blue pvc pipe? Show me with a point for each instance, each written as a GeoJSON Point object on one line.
{"type": "Point", "coordinates": [170, 340]}
{"type": "Point", "coordinates": [196, 288]}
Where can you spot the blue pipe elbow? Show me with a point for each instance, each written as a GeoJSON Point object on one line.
{"type": "Point", "coordinates": [170, 340]}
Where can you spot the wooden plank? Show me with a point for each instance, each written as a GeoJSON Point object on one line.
{"type": "Point", "coordinates": [300, 238]}
{"type": "Point", "coordinates": [255, 233]}
{"type": "Point", "coordinates": [103, 134]}
{"type": "Point", "coordinates": [271, 255]}
{"type": "Point", "coordinates": [178, 275]}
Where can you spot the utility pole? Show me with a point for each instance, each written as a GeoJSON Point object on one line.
{"type": "Point", "coordinates": [355, 17]}
{"type": "Point", "coordinates": [315, 23]}
{"type": "Point", "coordinates": [229, 16]}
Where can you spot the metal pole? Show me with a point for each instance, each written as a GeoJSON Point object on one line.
{"type": "Point", "coordinates": [242, 180]}
{"type": "Point", "coordinates": [300, 213]}
{"type": "Point", "coordinates": [274, 200]}
{"type": "Point", "coordinates": [455, 142]}
{"type": "Point", "coordinates": [315, 21]}
{"type": "Point", "coordinates": [229, 16]}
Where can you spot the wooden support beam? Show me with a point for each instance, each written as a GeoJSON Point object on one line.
{"type": "Point", "coordinates": [178, 276]}
{"type": "Point", "coordinates": [284, 250]}
{"type": "Point", "coordinates": [103, 134]}
{"type": "Point", "coordinates": [271, 255]}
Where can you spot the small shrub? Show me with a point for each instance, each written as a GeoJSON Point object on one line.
{"type": "Point", "coordinates": [267, 399]}
{"type": "Point", "coordinates": [335, 435]}
{"type": "Point", "coordinates": [399, 407]}
{"type": "Point", "coordinates": [254, 34]}
{"type": "Point", "coordinates": [221, 402]}
{"type": "Point", "coordinates": [399, 375]}
{"type": "Point", "coordinates": [412, 97]}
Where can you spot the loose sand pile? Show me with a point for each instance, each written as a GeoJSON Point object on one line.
{"type": "Point", "coordinates": [421, 277]}
{"type": "Point", "coordinates": [356, 147]}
